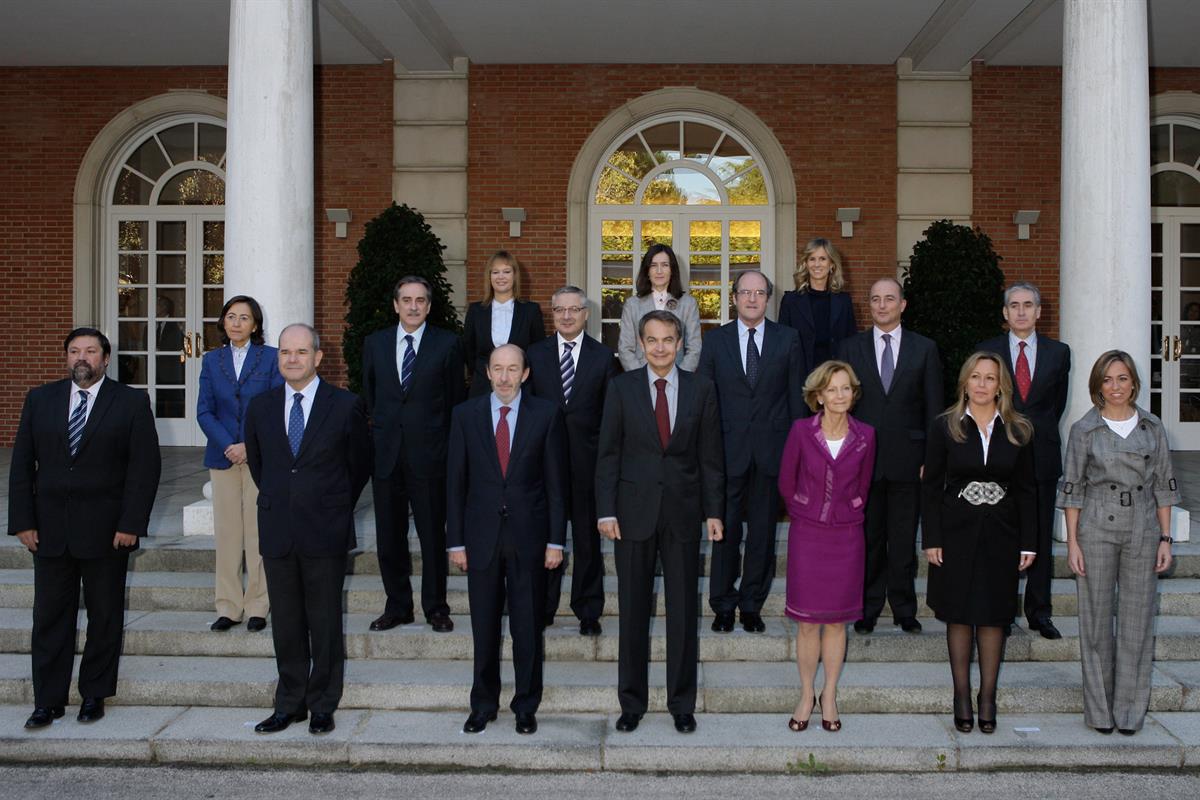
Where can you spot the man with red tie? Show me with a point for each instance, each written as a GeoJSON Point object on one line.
{"type": "Point", "coordinates": [506, 522]}
{"type": "Point", "coordinates": [1040, 367]}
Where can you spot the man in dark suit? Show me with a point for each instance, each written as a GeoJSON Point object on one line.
{"type": "Point", "coordinates": [309, 452]}
{"type": "Point", "coordinates": [572, 370]}
{"type": "Point", "coordinates": [901, 375]}
{"type": "Point", "coordinates": [85, 468]}
{"type": "Point", "coordinates": [660, 471]}
{"type": "Point", "coordinates": [412, 379]}
{"type": "Point", "coordinates": [758, 369]}
{"type": "Point", "coordinates": [1040, 367]}
{"type": "Point", "coordinates": [506, 522]}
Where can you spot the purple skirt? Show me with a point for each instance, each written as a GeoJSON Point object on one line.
{"type": "Point", "coordinates": [825, 565]}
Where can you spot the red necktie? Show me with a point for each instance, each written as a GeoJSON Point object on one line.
{"type": "Point", "coordinates": [502, 445]}
{"type": "Point", "coordinates": [662, 414]}
{"type": "Point", "coordinates": [1024, 379]}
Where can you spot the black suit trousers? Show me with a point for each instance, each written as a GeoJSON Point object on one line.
{"type": "Point", "coordinates": [893, 508]}
{"type": "Point", "coordinates": [1041, 571]}
{"type": "Point", "coordinates": [752, 498]}
{"type": "Point", "coordinates": [55, 613]}
{"type": "Point", "coordinates": [587, 572]}
{"type": "Point", "coordinates": [306, 625]}
{"type": "Point", "coordinates": [525, 591]}
{"type": "Point", "coordinates": [680, 556]}
{"type": "Point", "coordinates": [394, 495]}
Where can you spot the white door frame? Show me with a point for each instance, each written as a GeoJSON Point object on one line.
{"type": "Point", "coordinates": [1181, 435]}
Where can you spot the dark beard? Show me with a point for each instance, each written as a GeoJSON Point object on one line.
{"type": "Point", "coordinates": [83, 375]}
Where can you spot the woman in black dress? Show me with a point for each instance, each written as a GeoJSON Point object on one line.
{"type": "Point", "coordinates": [979, 526]}
{"type": "Point", "coordinates": [500, 318]}
{"type": "Point", "coordinates": [818, 309]}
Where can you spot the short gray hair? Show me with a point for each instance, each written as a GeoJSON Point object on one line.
{"type": "Point", "coordinates": [568, 289]}
{"type": "Point", "coordinates": [316, 339]}
{"type": "Point", "coordinates": [1025, 286]}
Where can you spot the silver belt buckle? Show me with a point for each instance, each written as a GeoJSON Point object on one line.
{"type": "Point", "coordinates": [979, 493]}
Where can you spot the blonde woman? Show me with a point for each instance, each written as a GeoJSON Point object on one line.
{"type": "Point", "coordinates": [979, 526]}
{"type": "Point", "coordinates": [818, 309]}
{"type": "Point", "coordinates": [500, 318]}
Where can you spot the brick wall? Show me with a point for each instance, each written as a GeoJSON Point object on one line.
{"type": "Point", "coordinates": [836, 123]}
{"type": "Point", "coordinates": [49, 117]}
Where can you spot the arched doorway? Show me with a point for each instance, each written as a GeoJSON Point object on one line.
{"type": "Point", "coordinates": [164, 264]}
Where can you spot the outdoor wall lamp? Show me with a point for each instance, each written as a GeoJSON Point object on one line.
{"type": "Point", "coordinates": [848, 216]}
{"type": "Point", "coordinates": [1023, 219]}
{"type": "Point", "coordinates": [339, 216]}
{"type": "Point", "coordinates": [514, 217]}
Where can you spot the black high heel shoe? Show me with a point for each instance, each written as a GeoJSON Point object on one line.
{"type": "Point", "coordinates": [964, 724]}
{"type": "Point", "coordinates": [986, 725]}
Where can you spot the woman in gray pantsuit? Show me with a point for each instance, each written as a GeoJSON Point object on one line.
{"type": "Point", "coordinates": [659, 286]}
{"type": "Point", "coordinates": [1116, 493]}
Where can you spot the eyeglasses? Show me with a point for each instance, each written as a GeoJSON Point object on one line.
{"type": "Point", "coordinates": [564, 311]}
{"type": "Point", "coordinates": [746, 294]}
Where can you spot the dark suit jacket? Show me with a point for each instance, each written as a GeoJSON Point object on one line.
{"type": "Point", "coordinates": [527, 328]}
{"type": "Point", "coordinates": [306, 502]}
{"type": "Point", "coordinates": [795, 311]}
{"type": "Point", "coordinates": [902, 416]}
{"type": "Point", "coordinates": [755, 422]}
{"type": "Point", "coordinates": [635, 476]}
{"type": "Point", "coordinates": [78, 503]}
{"type": "Point", "coordinates": [1047, 399]}
{"type": "Point", "coordinates": [597, 366]}
{"type": "Point", "coordinates": [225, 396]}
{"type": "Point", "coordinates": [529, 502]}
{"type": "Point", "coordinates": [417, 423]}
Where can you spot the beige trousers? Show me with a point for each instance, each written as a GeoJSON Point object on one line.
{"type": "Point", "coordinates": [235, 518]}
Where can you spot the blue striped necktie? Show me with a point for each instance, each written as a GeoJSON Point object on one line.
{"type": "Point", "coordinates": [406, 366]}
{"type": "Point", "coordinates": [566, 368]}
{"type": "Point", "coordinates": [75, 426]}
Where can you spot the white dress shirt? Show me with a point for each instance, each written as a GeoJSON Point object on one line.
{"type": "Point", "coordinates": [744, 338]}
{"type": "Point", "coordinates": [661, 299]}
{"type": "Point", "coordinates": [239, 357]}
{"type": "Point", "coordinates": [879, 343]}
{"type": "Point", "coordinates": [73, 400]}
{"type": "Point", "coordinates": [502, 317]}
{"type": "Point", "coordinates": [306, 404]}
{"type": "Point", "coordinates": [402, 346]}
{"type": "Point", "coordinates": [672, 391]}
{"type": "Point", "coordinates": [578, 342]}
{"type": "Point", "coordinates": [1014, 350]}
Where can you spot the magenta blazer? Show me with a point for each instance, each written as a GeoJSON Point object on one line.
{"type": "Point", "coordinates": [820, 488]}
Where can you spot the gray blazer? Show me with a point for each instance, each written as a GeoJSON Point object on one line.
{"type": "Point", "coordinates": [629, 349]}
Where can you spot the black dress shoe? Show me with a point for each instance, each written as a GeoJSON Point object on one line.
{"type": "Point", "coordinates": [526, 723]}
{"type": "Point", "coordinates": [43, 716]}
{"type": "Point", "coordinates": [91, 709]}
{"type": "Point", "coordinates": [723, 622]}
{"type": "Point", "coordinates": [321, 723]}
{"type": "Point", "coordinates": [477, 722]}
{"type": "Point", "coordinates": [909, 624]}
{"type": "Point", "coordinates": [685, 723]}
{"type": "Point", "coordinates": [1045, 627]}
{"type": "Point", "coordinates": [440, 622]}
{"type": "Point", "coordinates": [385, 621]}
{"type": "Point", "coordinates": [1126, 731]}
{"type": "Point", "coordinates": [279, 721]}
{"type": "Point", "coordinates": [864, 626]}
{"type": "Point", "coordinates": [223, 624]}
{"type": "Point", "coordinates": [752, 622]}
{"type": "Point", "coordinates": [256, 624]}
{"type": "Point", "coordinates": [628, 722]}
{"type": "Point", "coordinates": [589, 627]}
{"type": "Point", "coordinates": [1105, 731]}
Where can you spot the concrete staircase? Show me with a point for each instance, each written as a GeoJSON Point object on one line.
{"type": "Point", "coordinates": [187, 694]}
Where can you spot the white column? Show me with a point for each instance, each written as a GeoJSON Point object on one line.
{"type": "Point", "coordinates": [1104, 275]}
{"type": "Point", "coordinates": [269, 193]}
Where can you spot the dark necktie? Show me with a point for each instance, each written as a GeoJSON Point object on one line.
{"type": "Point", "coordinates": [406, 366]}
{"type": "Point", "coordinates": [1024, 379]}
{"type": "Point", "coordinates": [887, 365]}
{"type": "Point", "coordinates": [752, 359]}
{"type": "Point", "coordinates": [662, 413]}
{"type": "Point", "coordinates": [502, 443]}
{"type": "Point", "coordinates": [566, 368]}
{"type": "Point", "coordinates": [75, 426]}
{"type": "Point", "coordinates": [296, 424]}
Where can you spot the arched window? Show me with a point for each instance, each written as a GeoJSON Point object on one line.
{"type": "Point", "coordinates": [1175, 163]}
{"type": "Point", "coordinates": [165, 264]}
{"type": "Point", "coordinates": [687, 181]}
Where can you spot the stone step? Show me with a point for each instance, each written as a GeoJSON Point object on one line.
{"type": "Point", "coordinates": [587, 687]}
{"type": "Point", "coordinates": [724, 743]}
{"type": "Point", "coordinates": [196, 554]}
{"type": "Point", "coordinates": [186, 633]}
{"type": "Point", "coordinates": [193, 591]}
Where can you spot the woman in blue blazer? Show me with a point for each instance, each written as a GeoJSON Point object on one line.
{"type": "Point", "coordinates": [818, 309]}
{"type": "Point", "coordinates": [229, 376]}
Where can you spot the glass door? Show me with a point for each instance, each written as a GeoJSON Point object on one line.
{"type": "Point", "coordinates": [1175, 324]}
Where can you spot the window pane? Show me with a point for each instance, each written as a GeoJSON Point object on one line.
{"type": "Point", "coordinates": [1160, 144]}
{"type": "Point", "coordinates": [745, 261]}
{"type": "Point", "coordinates": [610, 334]}
{"type": "Point", "coordinates": [612, 301]}
{"type": "Point", "coordinates": [168, 338]}
{"type": "Point", "coordinates": [1156, 271]}
{"type": "Point", "coordinates": [616, 234]}
{"type": "Point", "coordinates": [169, 370]}
{"type": "Point", "coordinates": [214, 235]}
{"type": "Point", "coordinates": [663, 140]}
{"type": "Point", "coordinates": [1187, 145]}
{"type": "Point", "coordinates": [704, 235]}
{"type": "Point", "coordinates": [1189, 238]}
{"type": "Point", "coordinates": [699, 140]}
{"type": "Point", "coordinates": [1174, 189]}
{"type": "Point", "coordinates": [709, 301]}
{"type": "Point", "coordinates": [169, 403]}
{"type": "Point", "coordinates": [613, 188]}
{"type": "Point", "coordinates": [1189, 407]}
{"type": "Point", "coordinates": [131, 336]}
{"type": "Point", "coordinates": [1156, 404]}
{"type": "Point", "coordinates": [1189, 271]}
{"type": "Point", "coordinates": [131, 269]}
{"type": "Point", "coordinates": [1156, 237]}
{"type": "Point", "coordinates": [133, 235]}
{"type": "Point", "coordinates": [745, 235]}
{"type": "Point", "coordinates": [131, 302]}
{"type": "Point", "coordinates": [214, 269]}
{"type": "Point", "coordinates": [730, 158]}
{"type": "Point", "coordinates": [1188, 303]}
{"type": "Point", "coordinates": [172, 269]}
{"type": "Point", "coordinates": [170, 304]}
{"type": "Point", "coordinates": [131, 190]}
{"type": "Point", "coordinates": [1156, 372]}
{"type": "Point", "coordinates": [212, 144]}
{"type": "Point", "coordinates": [148, 160]}
{"type": "Point", "coordinates": [748, 189]}
{"type": "Point", "coordinates": [213, 300]}
{"type": "Point", "coordinates": [703, 259]}
{"type": "Point", "coordinates": [180, 142]}
{"type": "Point", "coordinates": [212, 336]}
{"type": "Point", "coordinates": [657, 231]}
{"type": "Point", "coordinates": [196, 187]}
{"type": "Point", "coordinates": [705, 271]}
{"type": "Point", "coordinates": [681, 187]}
{"type": "Point", "coordinates": [617, 269]}
{"type": "Point", "coordinates": [1156, 304]}
{"type": "Point", "coordinates": [172, 235]}
{"type": "Point", "coordinates": [131, 369]}
{"type": "Point", "coordinates": [632, 158]}
{"type": "Point", "coordinates": [1190, 334]}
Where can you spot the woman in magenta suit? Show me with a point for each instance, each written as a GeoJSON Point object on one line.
{"type": "Point", "coordinates": [824, 479]}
